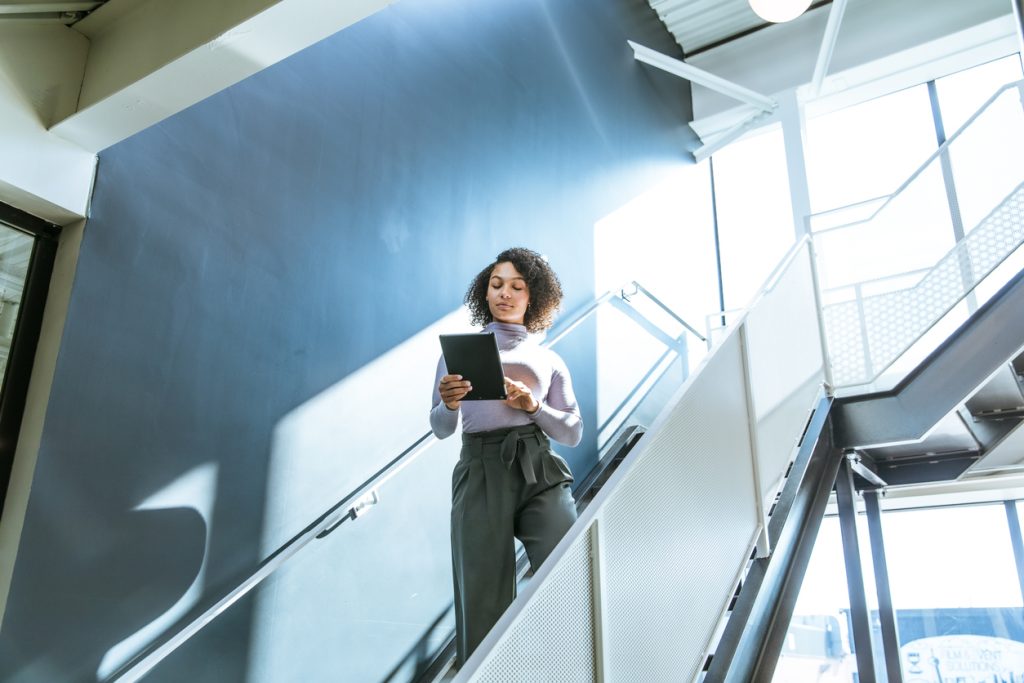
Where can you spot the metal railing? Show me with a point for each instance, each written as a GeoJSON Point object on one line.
{"type": "Point", "coordinates": [366, 495]}
{"type": "Point", "coordinates": [636, 589]}
{"type": "Point", "coordinates": [877, 307]}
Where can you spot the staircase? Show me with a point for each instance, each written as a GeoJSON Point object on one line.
{"type": "Point", "coordinates": [687, 564]}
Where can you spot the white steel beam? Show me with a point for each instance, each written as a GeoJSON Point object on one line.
{"type": "Point", "coordinates": [828, 45]}
{"type": "Point", "coordinates": [1018, 15]}
{"type": "Point", "coordinates": [701, 77]}
{"type": "Point", "coordinates": [726, 137]}
{"type": "Point", "coordinates": [791, 117]}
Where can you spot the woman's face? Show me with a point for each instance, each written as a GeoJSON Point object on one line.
{"type": "Point", "coordinates": [507, 294]}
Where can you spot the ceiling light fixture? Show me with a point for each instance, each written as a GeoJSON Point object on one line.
{"type": "Point", "coordinates": [778, 11]}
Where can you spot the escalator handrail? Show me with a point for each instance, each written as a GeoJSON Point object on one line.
{"type": "Point", "coordinates": [345, 509]}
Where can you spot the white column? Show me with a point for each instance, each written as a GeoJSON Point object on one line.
{"type": "Point", "coordinates": [793, 137]}
{"type": "Point", "coordinates": [1018, 15]}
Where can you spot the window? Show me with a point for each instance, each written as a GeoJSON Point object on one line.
{"type": "Point", "coordinates": [755, 213]}
{"type": "Point", "coordinates": [955, 591]}
{"type": "Point", "coordinates": [28, 246]}
{"type": "Point", "coordinates": [867, 150]}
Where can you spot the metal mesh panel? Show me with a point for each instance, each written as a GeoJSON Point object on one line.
{"type": "Point", "coordinates": [553, 640]}
{"type": "Point", "coordinates": [786, 367]}
{"type": "Point", "coordinates": [678, 528]}
{"type": "Point", "coordinates": [893, 321]}
{"type": "Point", "coordinates": [676, 522]}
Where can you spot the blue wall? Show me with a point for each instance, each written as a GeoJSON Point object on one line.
{"type": "Point", "coordinates": [260, 246]}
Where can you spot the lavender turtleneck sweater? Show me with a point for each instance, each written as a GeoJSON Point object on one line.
{"type": "Point", "coordinates": [537, 367]}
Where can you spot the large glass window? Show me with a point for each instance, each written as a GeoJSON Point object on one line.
{"type": "Point", "coordinates": [15, 253]}
{"type": "Point", "coordinates": [755, 213]}
{"type": "Point", "coordinates": [664, 239]}
{"type": "Point", "coordinates": [962, 93]}
{"type": "Point", "coordinates": [867, 150]}
{"type": "Point", "coordinates": [955, 592]}
{"type": "Point", "coordinates": [818, 645]}
{"type": "Point", "coordinates": [28, 247]}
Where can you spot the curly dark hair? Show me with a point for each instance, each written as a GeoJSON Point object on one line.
{"type": "Point", "coordinates": [541, 282]}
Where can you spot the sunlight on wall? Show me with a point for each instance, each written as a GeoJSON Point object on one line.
{"type": "Point", "coordinates": [663, 239]}
{"type": "Point", "coordinates": [332, 443]}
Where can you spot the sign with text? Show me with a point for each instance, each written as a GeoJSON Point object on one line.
{"type": "Point", "coordinates": [962, 659]}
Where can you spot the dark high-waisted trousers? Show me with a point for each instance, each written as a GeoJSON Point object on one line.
{"type": "Point", "coordinates": [508, 482]}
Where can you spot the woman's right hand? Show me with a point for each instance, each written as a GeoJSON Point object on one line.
{"type": "Point", "coordinates": [453, 388]}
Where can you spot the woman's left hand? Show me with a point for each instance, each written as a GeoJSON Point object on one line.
{"type": "Point", "coordinates": [520, 397]}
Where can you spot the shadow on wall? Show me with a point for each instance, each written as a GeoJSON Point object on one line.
{"type": "Point", "coordinates": [146, 580]}
{"type": "Point", "coordinates": [375, 593]}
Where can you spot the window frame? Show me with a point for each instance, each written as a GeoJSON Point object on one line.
{"type": "Point", "coordinates": [14, 389]}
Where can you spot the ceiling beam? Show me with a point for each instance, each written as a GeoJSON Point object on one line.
{"type": "Point", "coordinates": [149, 59]}
{"type": "Point", "coordinates": [828, 45]}
{"type": "Point", "coordinates": [701, 77]}
{"type": "Point", "coordinates": [717, 142]}
{"type": "Point", "coordinates": [23, 7]}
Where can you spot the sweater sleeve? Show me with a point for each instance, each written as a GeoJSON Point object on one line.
{"type": "Point", "coordinates": [442, 420]}
{"type": "Point", "coordinates": [559, 414]}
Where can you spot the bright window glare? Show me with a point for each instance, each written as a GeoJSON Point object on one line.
{"type": "Point", "coordinates": [664, 239]}
{"type": "Point", "coordinates": [867, 150]}
{"type": "Point", "coordinates": [961, 94]}
{"type": "Point", "coordinates": [755, 215]}
{"type": "Point", "coordinates": [951, 557]}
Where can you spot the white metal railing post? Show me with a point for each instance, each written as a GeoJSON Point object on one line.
{"type": "Point", "coordinates": [828, 45]}
{"type": "Point", "coordinates": [819, 304]}
{"type": "Point", "coordinates": [764, 548]}
{"type": "Point", "coordinates": [597, 588]}
{"type": "Point", "coordinates": [1018, 15]}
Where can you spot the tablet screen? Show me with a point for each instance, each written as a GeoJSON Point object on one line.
{"type": "Point", "coordinates": [475, 357]}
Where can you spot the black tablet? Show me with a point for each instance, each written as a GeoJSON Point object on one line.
{"type": "Point", "coordinates": [475, 357]}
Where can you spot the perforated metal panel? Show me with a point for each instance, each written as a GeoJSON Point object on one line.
{"type": "Point", "coordinates": [678, 528]}
{"type": "Point", "coordinates": [553, 639]}
{"type": "Point", "coordinates": [786, 367]}
{"type": "Point", "coordinates": [893, 321]}
{"type": "Point", "coordinates": [676, 521]}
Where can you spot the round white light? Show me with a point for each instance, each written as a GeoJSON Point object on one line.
{"type": "Point", "coordinates": [778, 11]}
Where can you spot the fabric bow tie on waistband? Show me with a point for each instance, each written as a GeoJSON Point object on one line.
{"type": "Point", "coordinates": [510, 450]}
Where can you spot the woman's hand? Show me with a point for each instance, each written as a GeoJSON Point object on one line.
{"type": "Point", "coordinates": [520, 397]}
{"type": "Point", "coordinates": [453, 388]}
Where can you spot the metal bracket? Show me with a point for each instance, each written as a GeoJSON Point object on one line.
{"type": "Point", "coordinates": [858, 467]}
{"type": "Point", "coordinates": [358, 509]}
{"type": "Point", "coordinates": [676, 344]}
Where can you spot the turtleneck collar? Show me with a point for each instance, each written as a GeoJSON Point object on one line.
{"type": "Point", "coordinates": [508, 335]}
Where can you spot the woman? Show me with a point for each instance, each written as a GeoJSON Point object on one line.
{"type": "Point", "coordinates": [508, 482]}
